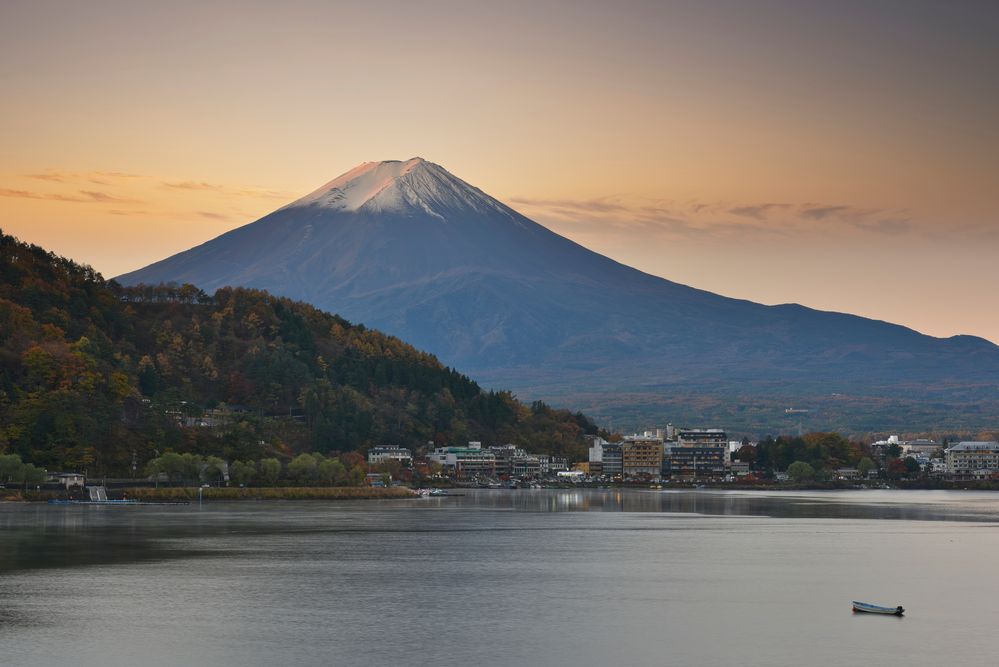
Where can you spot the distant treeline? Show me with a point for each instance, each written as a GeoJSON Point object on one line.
{"type": "Point", "coordinates": [306, 469]}
{"type": "Point", "coordinates": [817, 456]}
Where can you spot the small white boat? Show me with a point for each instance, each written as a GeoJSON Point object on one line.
{"type": "Point", "coordinates": [865, 608]}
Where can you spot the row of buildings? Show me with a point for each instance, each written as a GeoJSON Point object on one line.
{"type": "Point", "coordinates": [669, 452]}
{"type": "Point", "coordinates": [966, 460]}
{"type": "Point", "coordinates": [686, 453]}
{"type": "Point", "coordinates": [705, 453]}
{"type": "Point", "coordinates": [476, 461]}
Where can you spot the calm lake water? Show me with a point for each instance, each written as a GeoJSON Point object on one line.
{"type": "Point", "coordinates": [506, 578]}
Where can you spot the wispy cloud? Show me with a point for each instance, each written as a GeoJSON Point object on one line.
{"type": "Point", "coordinates": [52, 177]}
{"type": "Point", "coordinates": [192, 185]}
{"type": "Point", "coordinates": [612, 214]}
{"type": "Point", "coordinates": [95, 177]}
{"type": "Point", "coordinates": [212, 216]}
{"type": "Point", "coordinates": [709, 219]}
{"type": "Point", "coordinates": [121, 178]}
{"type": "Point", "coordinates": [173, 215]}
{"type": "Point", "coordinates": [868, 219]}
{"type": "Point", "coordinates": [80, 197]}
{"type": "Point", "coordinates": [125, 212]}
{"type": "Point", "coordinates": [602, 205]}
{"type": "Point", "coordinates": [131, 195]}
{"type": "Point", "coordinates": [118, 174]}
{"type": "Point", "coordinates": [105, 198]}
{"type": "Point", "coordinates": [225, 189]}
{"type": "Point", "coordinates": [822, 212]}
{"type": "Point", "coordinates": [47, 196]}
{"type": "Point", "coordinates": [756, 211]}
{"type": "Point", "coordinates": [887, 225]}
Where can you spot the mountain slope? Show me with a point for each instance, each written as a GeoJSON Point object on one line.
{"type": "Point", "coordinates": [412, 250]}
{"type": "Point", "coordinates": [96, 376]}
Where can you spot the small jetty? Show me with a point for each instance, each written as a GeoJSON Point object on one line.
{"type": "Point", "coordinates": [867, 608]}
{"type": "Point", "coordinates": [98, 495]}
{"type": "Point", "coordinates": [435, 493]}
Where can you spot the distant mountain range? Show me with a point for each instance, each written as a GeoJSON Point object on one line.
{"type": "Point", "coordinates": [408, 248]}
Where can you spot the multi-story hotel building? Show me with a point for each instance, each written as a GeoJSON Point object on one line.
{"type": "Point", "coordinates": [642, 456]}
{"type": "Point", "coordinates": [972, 459]}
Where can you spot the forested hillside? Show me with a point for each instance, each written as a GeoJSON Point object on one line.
{"type": "Point", "coordinates": [100, 377]}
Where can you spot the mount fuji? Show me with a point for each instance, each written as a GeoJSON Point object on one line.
{"type": "Point", "coordinates": [408, 248]}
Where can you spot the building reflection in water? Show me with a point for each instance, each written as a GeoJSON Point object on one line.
{"type": "Point", "coordinates": [875, 504]}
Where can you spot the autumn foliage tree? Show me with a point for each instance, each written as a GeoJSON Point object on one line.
{"type": "Point", "coordinates": [823, 451]}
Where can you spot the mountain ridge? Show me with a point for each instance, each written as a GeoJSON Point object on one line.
{"type": "Point", "coordinates": [408, 248]}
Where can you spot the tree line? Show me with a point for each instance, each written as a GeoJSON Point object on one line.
{"type": "Point", "coordinates": [13, 470]}
{"type": "Point", "coordinates": [305, 469]}
{"type": "Point", "coordinates": [817, 456]}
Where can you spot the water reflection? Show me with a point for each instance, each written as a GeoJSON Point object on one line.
{"type": "Point", "coordinates": [44, 536]}
{"type": "Point", "coordinates": [877, 504]}
{"type": "Point", "coordinates": [39, 548]}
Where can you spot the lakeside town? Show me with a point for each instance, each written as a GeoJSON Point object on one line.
{"type": "Point", "coordinates": [243, 390]}
{"type": "Point", "coordinates": [705, 455]}
{"type": "Point", "coordinates": [662, 456]}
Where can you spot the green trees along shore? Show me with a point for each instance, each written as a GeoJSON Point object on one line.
{"type": "Point", "coordinates": [13, 470]}
{"type": "Point", "coordinates": [303, 470]}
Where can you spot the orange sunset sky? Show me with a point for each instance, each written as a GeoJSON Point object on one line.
{"type": "Point", "coordinates": [843, 155]}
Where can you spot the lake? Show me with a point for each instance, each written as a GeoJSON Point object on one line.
{"type": "Point", "coordinates": [529, 577]}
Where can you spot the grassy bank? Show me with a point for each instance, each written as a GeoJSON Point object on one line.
{"type": "Point", "coordinates": [187, 494]}
{"type": "Point", "coordinates": [15, 495]}
{"type": "Point", "coordinates": [167, 494]}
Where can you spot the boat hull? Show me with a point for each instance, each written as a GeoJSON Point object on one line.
{"type": "Point", "coordinates": [865, 608]}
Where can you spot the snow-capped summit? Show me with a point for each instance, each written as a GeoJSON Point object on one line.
{"type": "Point", "coordinates": [398, 186]}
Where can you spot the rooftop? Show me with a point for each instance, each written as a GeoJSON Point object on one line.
{"type": "Point", "coordinates": [974, 445]}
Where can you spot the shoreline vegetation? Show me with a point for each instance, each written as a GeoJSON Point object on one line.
{"type": "Point", "coordinates": [186, 494]}
{"type": "Point", "coordinates": [189, 494]}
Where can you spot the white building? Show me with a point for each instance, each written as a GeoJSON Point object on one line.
{"type": "Point", "coordinates": [938, 467]}
{"type": "Point", "coordinates": [379, 454]}
{"type": "Point", "coordinates": [552, 464]}
{"type": "Point", "coordinates": [466, 461]}
{"type": "Point", "coordinates": [68, 479]}
{"type": "Point", "coordinates": [972, 459]}
{"type": "Point", "coordinates": [597, 450]}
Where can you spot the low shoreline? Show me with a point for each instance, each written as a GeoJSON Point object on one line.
{"type": "Point", "coordinates": [168, 495]}
{"type": "Point", "coordinates": [191, 494]}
